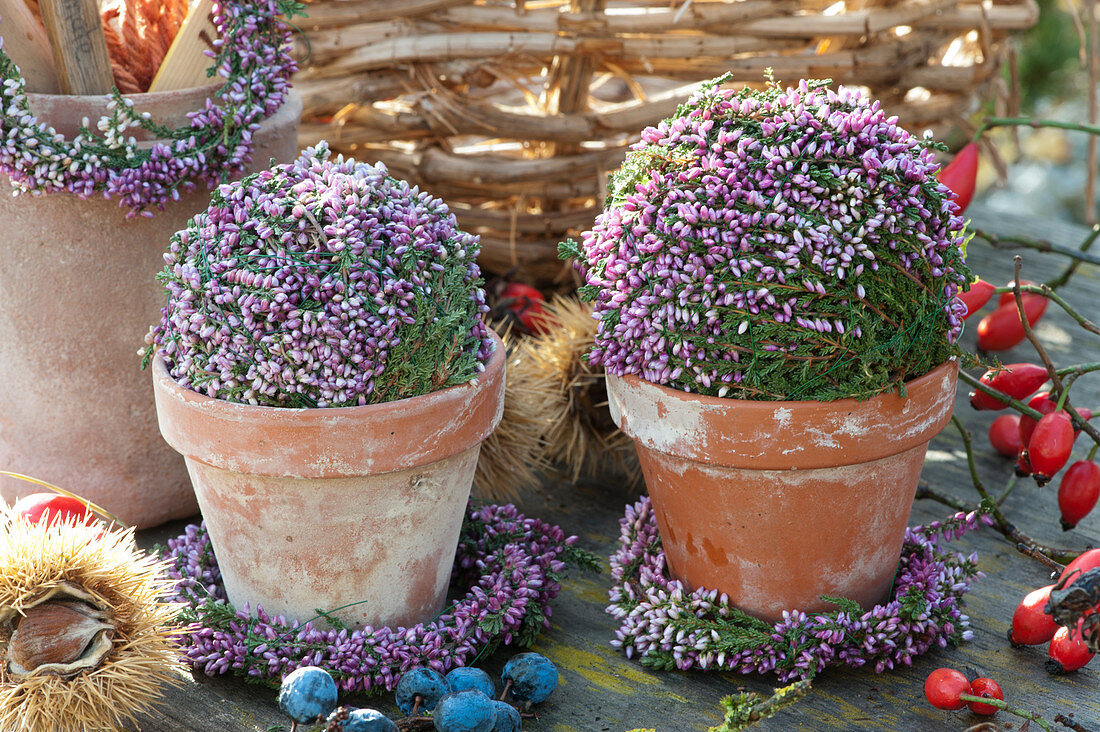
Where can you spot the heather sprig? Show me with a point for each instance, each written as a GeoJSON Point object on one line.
{"type": "Point", "coordinates": [670, 627]}
{"type": "Point", "coordinates": [775, 244]}
{"type": "Point", "coordinates": [508, 568]}
{"type": "Point", "coordinates": [251, 56]}
{"type": "Point", "coordinates": [322, 283]}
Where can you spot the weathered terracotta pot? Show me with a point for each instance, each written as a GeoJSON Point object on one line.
{"type": "Point", "coordinates": [321, 508]}
{"type": "Point", "coordinates": [778, 503]}
{"type": "Point", "coordinates": [77, 296]}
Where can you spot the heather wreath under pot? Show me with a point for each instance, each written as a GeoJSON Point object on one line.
{"type": "Point", "coordinates": [103, 182]}
{"type": "Point", "coordinates": [323, 366]}
{"type": "Point", "coordinates": [774, 278]}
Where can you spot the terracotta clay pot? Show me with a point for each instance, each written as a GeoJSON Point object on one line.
{"type": "Point", "coordinates": [778, 503]}
{"type": "Point", "coordinates": [77, 296]}
{"type": "Point", "coordinates": [321, 508]}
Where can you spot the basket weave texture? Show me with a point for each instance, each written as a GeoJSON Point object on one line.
{"type": "Point", "coordinates": [515, 112]}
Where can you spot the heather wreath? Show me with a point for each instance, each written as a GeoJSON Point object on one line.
{"type": "Point", "coordinates": [321, 283]}
{"type": "Point", "coordinates": [776, 244]}
{"type": "Point", "coordinates": [507, 570]}
{"type": "Point", "coordinates": [669, 626]}
{"type": "Point", "coordinates": [252, 62]}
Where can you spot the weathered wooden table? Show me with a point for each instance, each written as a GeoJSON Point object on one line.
{"type": "Point", "coordinates": [601, 690]}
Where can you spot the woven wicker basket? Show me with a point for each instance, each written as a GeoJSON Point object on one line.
{"type": "Point", "coordinates": [514, 112]}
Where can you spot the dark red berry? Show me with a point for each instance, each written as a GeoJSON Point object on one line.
{"type": "Point", "coordinates": [1078, 492]}
{"type": "Point", "coordinates": [944, 687]}
{"type": "Point", "coordinates": [1017, 380]}
{"type": "Point", "coordinates": [1004, 435]}
{"type": "Point", "coordinates": [1050, 445]}
{"type": "Point", "coordinates": [53, 507]}
{"type": "Point", "coordinates": [1030, 623]}
{"type": "Point", "coordinates": [1068, 652]}
{"type": "Point", "coordinates": [989, 689]}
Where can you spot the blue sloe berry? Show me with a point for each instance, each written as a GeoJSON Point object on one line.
{"type": "Point", "coordinates": [424, 682]}
{"type": "Point", "coordinates": [533, 677]}
{"type": "Point", "coordinates": [468, 677]}
{"type": "Point", "coordinates": [307, 694]}
{"type": "Point", "coordinates": [464, 711]}
{"type": "Point", "coordinates": [508, 719]}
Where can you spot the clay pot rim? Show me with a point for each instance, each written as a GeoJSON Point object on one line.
{"type": "Point", "coordinates": [726, 431]}
{"type": "Point", "coordinates": [235, 436]}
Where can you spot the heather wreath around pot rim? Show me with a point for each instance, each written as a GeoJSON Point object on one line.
{"type": "Point", "coordinates": [781, 244]}
{"type": "Point", "coordinates": [251, 58]}
{"type": "Point", "coordinates": [321, 283]}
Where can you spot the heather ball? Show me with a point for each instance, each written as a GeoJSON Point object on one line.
{"type": "Point", "coordinates": [322, 283]}
{"type": "Point", "coordinates": [783, 244]}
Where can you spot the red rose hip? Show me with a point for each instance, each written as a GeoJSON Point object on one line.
{"type": "Point", "coordinates": [978, 295]}
{"type": "Point", "coordinates": [1030, 623]}
{"type": "Point", "coordinates": [1078, 492]}
{"type": "Point", "coordinates": [1002, 329]}
{"type": "Point", "coordinates": [943, 688]}
{"type": "Point", "coordinates": [1050, 445]}
{"type": "Point", "coordinates": [1004, 435]}
{"type": "Point", "coordinates": [1068, 652]}
{"type": "Point", "coordinates": [1043, 404]}
{"type": "Point", "coordinates": [989, 689]}
{"type": "Point", "coordinates": [1017, 380]}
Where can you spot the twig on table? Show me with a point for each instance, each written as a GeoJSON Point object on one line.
{"type": "Point", "coordinates": [415, 724]}
{"type": "Point", "coordinates": [1055, 282]}
{"type": "Point", "coordinates": [1093, 65]}
{"type": "Point", "coordinates": [991, 122]}
{"type": "Point", "coordinates": [1014, 403]}
{"type": "Point", "coordinates": [1008, 708]}
{"type": "Point", "coordinates": [1056, 298]}
{"type": "Point", "coordinates": [1079, 369]}
{"type": "Point", "coordinates": [998, 241]}
{"type": "Point", "coordinates": [1009, 486]}
{"type": "Point", "coordinates": [1041, 558]}
{"type": "Point", "coordinates": [1000, 521]}
{"type": "Point", "coordinates": [1017, 263]}
{"type": "Point", "coordinates": [926, 491]}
